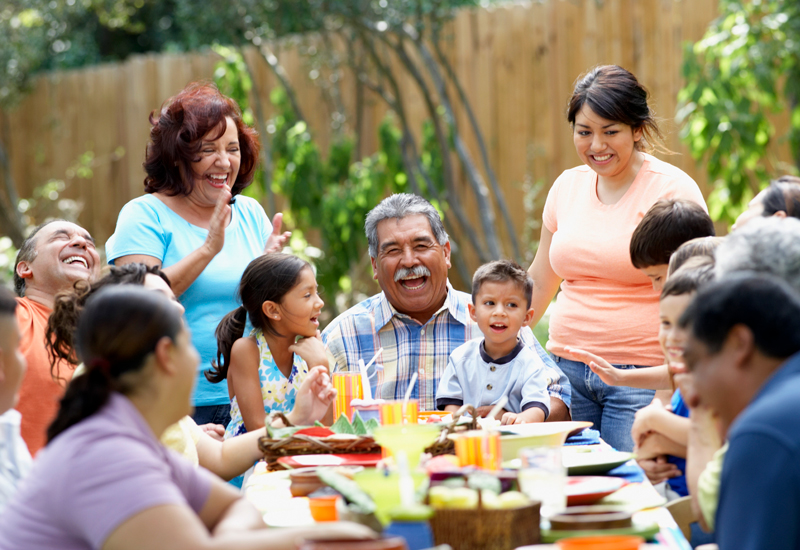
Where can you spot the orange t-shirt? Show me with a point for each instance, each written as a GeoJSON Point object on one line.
{"type": "Point", "coordinates": [606, 306]}
{"type": "Point", "coordinates": [39, 394]}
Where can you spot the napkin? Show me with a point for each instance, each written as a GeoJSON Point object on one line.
{"type": "Point", "coordinates": [586, 437]}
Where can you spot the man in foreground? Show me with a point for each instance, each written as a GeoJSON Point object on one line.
{"type": "Point", "coordinates": [742, 353]}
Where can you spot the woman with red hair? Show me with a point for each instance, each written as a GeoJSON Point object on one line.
{"type": "Point", "coordinates": [192, 224]}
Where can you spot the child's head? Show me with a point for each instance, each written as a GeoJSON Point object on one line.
{"type": "Point", "coordinates": [68, 305]}
{"type": "Point", "coordinates": [668, 224]}
{"type": "Point", "coordinates": [12, 362]}
{"type": "Point", "coordinates": [780, 199]}
{"type": "Point", "coordinates": [501, 300]}
{"type": "Point", "coordinates": [677, 294]}
{"type": "Point", "coordinates": [701, 247]}
{"type": "Point", "coordinates": [279, 294]}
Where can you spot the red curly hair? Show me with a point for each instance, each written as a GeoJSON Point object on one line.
{"type": "Point", "coordinates": [177, 133]}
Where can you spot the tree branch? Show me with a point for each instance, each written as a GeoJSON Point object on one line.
{"type": "Point", "coordinates": [283, 78]}
{"type": "Point", "coordinates": [498, 192]}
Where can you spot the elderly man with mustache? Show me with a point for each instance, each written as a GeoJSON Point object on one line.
{"type": "Point", "coordinates": [418, 318]}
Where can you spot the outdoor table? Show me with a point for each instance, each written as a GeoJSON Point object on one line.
{"type": "Point", "coordinates": [269, 492]}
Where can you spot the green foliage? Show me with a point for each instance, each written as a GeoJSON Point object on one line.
{"type": "Point", "coordinates": [47, 202]}
{"type": "Point", "coordinates": [744, 70]}
{"type": "Point", "coordinates": [55, 34]}
{"type": "Point", "coordinates": [333, 194]}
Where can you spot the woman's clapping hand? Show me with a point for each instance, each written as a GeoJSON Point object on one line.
{"type": "Point", "coordinates": [277, 240]}
{"type": "Point", "coordinates": [215, 239]}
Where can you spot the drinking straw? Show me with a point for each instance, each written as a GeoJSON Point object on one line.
{"type": "Point", "coordinates": [496, 409]}
{"type": "Point", "coordinates": [367, 387]}
{"type": "Point", "coordinates": [408, 394]}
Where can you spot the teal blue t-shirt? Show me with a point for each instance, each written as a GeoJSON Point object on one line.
{"type": "Point", "coordinates": [148, 226]}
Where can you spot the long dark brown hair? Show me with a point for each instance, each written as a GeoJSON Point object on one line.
{"type": "Point", "coordinates": [117, 331]}
{"type": "Point", "coordinates": [266, 279]}
{"type": "Point", "coordinates": [615, 94]}
{"type": "Point", "coordinates": [68, 305]}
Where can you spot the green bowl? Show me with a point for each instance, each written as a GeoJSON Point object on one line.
{"type": "Point", "coordinates": [385, 489]}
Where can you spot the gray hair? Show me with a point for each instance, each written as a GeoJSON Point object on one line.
{"type": "Point", "coordinates": [398, 206]}
{"type": "Point", "coordinates": [27, 253]}
{"type": "Point", "coordinates": [765, 245]}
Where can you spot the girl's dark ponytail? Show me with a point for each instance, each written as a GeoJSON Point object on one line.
{"type": "Point", "coordinates": [267, 278]}
{"type": "Point", "coordinates": [230, 329]}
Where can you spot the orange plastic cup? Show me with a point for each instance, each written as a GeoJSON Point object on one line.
{"type": "Point", "coordinates": [601, 542]}
{"type": "Point", "coordinates": [324, 508]}
{"type": "Point", "coordinates": [348, 387]}
{"type": "Point", "coordinates": [479, 448]}
{"type": "Point", "coordinates": [392, 412]}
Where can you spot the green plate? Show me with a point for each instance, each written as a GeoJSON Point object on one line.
{"type": "Point", "coordinates": [593, 463]}
{"type": "Point", "coordinates": [647, 531]}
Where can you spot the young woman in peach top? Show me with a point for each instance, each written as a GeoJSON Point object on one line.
{"type": "Point", "coordinates": [606, 306]}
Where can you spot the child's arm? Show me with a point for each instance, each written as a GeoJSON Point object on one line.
{"type": "Point", "coordinates": [245, 382]}
{"type": "Point", "coordinates": [231, 457]}
{"type": "Point", "coordinates": [650, 378]}
{"type": "Point", "coordinates": [656, 444]}
{"type": "Point", "coordinates": [534, 414]}
{"type": "Point", "coordinates": [655, 418]}
{"type": "Point", "coordinates": [704, 441]}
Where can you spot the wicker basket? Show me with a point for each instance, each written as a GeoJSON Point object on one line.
{"type": "Point", "coordinates": [445, 445]}
{"type": "Point", "coordinates": [274, 449]}
{"type": "Point", "coordinates": [483, 529]}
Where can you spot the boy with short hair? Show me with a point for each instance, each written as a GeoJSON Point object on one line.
{"type": "Point", "coordinates": [15, 460]}
{"type": "Point", "coordinates": [482, 371]}
{"type": "Point", "coordinates": [667, 224]}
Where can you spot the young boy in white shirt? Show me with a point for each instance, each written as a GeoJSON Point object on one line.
{"type": "Point", "coordinates": [15, 460]}
{"type": "Point", "coordinates": [481, 371]}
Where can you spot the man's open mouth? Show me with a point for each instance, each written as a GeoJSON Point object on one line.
{"type": "Point", "coordinates": [78, 259]}
{"type": "Point", "coordinates": [413, 283]}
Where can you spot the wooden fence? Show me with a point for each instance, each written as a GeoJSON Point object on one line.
{"type": "Point", "coordinates": [517, 61]}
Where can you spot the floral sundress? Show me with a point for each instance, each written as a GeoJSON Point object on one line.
{"type": "Point", "coordinates": [277, 391]}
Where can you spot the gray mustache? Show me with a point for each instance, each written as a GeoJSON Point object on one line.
{"type": "Point", "coordinates": [416, 271]}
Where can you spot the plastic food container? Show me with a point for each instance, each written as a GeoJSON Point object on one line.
{"type": "Point", "coordinates": [323, 508]}
{"type": "Point", "coordinates": [601, 542]}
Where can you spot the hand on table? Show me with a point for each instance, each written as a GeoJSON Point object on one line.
{"type": "Point", "coordinates": [606, 371]}
{"type": "Point", "coordinates": [277, 240]}
{"type": "Point", "coordinates": [214, 431]}
{"type": "Point", "coordinates": [314, 398]}
{"type": "Point", "coordinates": [658, 469]}
{"type": "Point", "coordinates": [486, 409]}
{"type": "Point", "coordinates": [511, 418]}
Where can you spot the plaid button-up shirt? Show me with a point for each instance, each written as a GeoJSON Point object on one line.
{"type": "Point", "coordinates": [410, 346]}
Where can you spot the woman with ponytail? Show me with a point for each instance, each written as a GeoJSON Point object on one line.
{"type": "Point", "coordinates": [268, 369]}
{"type": "Point", "coordinates": [104, 480]}
{"type": "Point", "coordinates": [228, 459]}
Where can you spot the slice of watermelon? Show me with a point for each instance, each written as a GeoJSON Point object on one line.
{"type": "Point", "coordinates": [314, 431]}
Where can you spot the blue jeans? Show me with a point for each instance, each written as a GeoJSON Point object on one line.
{"type": "Point", "coordinates": [611, 408]}
{"type": "Point", "coordinates": [212, 414]}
